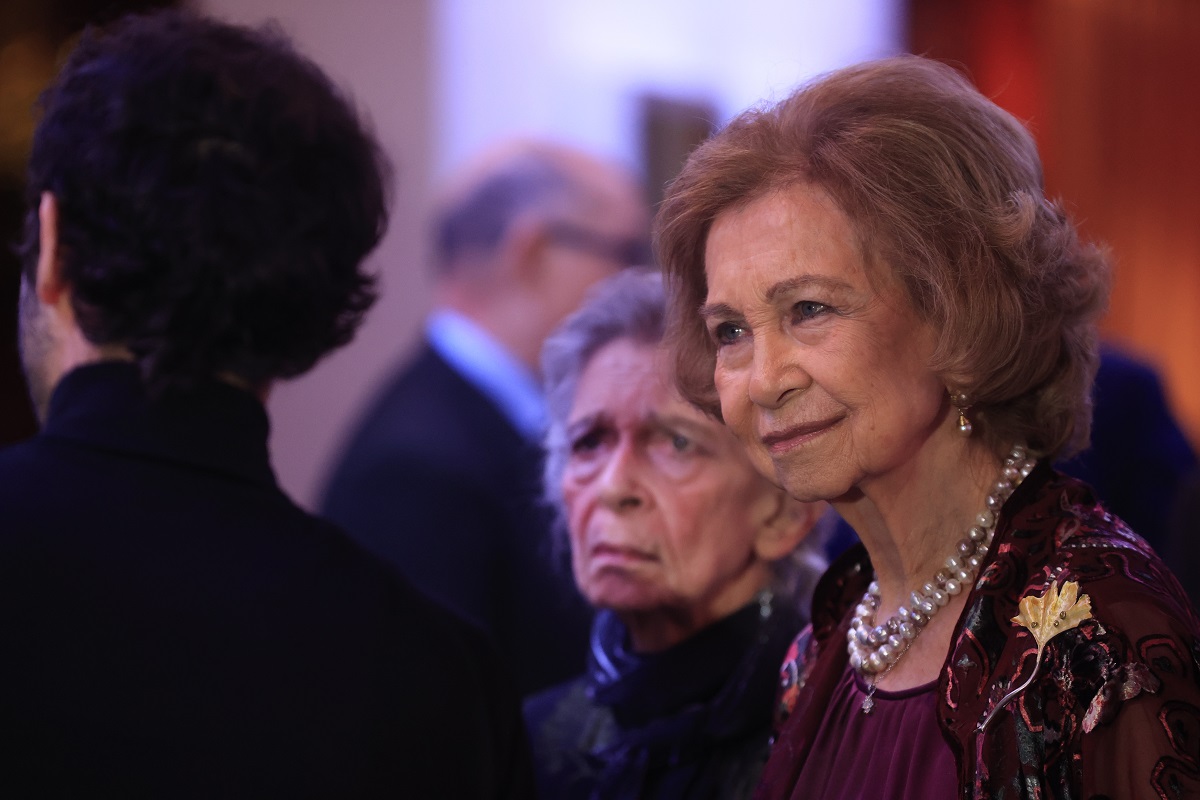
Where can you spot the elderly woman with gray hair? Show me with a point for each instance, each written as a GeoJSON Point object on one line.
{"type": "Point", "coordinates": [697, 564]}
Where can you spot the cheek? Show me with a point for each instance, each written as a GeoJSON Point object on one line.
{"type": "Point", "coordinates": [743, 494]}
{"type": "Point", "coordinates": [581, 501]}
{"type": "Point", "coordinates": [577, 536]}
{"type": "Point", "coordinates": [738, 414]}
{"type": "Point", "coordinates": [574, 504]}
{"type": "Point", "coordinates": [733, 399]}
{"type": "Point", "coordinates": [707, 519]}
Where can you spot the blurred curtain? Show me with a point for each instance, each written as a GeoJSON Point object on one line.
{"type": "Point", "coordinates": [1111, 90]}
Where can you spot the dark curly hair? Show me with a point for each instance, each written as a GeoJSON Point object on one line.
{"type": "Point", "coordinates": [945, 190]}
{"type": "Point", "coordinates": [217, 196]}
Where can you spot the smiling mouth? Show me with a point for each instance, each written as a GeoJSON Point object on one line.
{"type": "Point", "coordinates": [780, 441]}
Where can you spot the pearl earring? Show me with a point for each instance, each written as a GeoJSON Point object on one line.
{"type": "Point", "coordinates": [963, 404]}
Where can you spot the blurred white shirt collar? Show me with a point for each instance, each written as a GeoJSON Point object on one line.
{"type": "Point", "coordinates": [489, 368]}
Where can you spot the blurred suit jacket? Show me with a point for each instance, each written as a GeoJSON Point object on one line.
{"type": "Point", "coordinates": [174, 626]}
{"type": "Point", "coordinates": [437, 481]}
{"type": "Point", "coordinates": [1139, 458]}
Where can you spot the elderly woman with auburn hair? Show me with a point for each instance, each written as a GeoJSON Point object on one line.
{"type": "Point", "coordinates": [870, 288]}
{"type": "Point", "coordinates": [695, 561]}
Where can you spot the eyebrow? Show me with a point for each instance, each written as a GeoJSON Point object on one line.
{"type": "Point", "coordinates": [673, 421]}
{"type": "Point", "coordinates": [583, 423]}
{"type": "Point", "coordinates": [716, 311]}
{"type": "Point", "coordinates": [667, 421]}
{"type": "Point", "coordinates": [723, 310]}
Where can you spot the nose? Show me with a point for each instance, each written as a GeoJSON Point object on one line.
{"type": "Point", "coordinates": [776, 372]}
{"type": "Point", "coordinates": [621, 486]}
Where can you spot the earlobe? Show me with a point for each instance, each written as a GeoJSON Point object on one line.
{"type": "Point", "coordinates": [787, 526]}
{"type": "Point", "coordinates": [49, 284]}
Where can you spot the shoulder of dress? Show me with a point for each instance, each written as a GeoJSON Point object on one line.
{"type": "Point", "coordinates": [839, 590]}
{"type": "Point", "coordinates": [1069, 510]}
{"type": "Point", "coordinates": [1064, 533]}
{"type": "Point", "coordinates": [793, 674]}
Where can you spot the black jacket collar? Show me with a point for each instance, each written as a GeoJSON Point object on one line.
{"type": "Point", "coordinates": [214, 425]}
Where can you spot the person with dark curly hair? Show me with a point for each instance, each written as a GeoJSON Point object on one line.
{"type": "Point", "coordinates": [871, 288]}
{"type": "Point", "coordinates": [201, 202]}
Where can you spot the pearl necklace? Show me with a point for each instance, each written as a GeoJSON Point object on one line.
{"type": "Point", "coordinates": [875, 649]}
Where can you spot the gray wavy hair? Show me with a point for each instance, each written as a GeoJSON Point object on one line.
{"type": "Point", "coordinates": [633, 305]}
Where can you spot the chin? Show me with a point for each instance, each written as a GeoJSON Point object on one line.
{"type": "Point", "coordinates": [622, 596]}
{"type": "Point", "coordinates": [809, 485]}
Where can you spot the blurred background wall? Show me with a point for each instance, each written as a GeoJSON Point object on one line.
{"type": "Point", "coordinates": [442, 78]}
{"type": "Point", "coordinates": [1108, 86]}
{"type": "Point", "coordinates": [1111, 90]}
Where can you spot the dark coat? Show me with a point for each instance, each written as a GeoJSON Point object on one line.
{"type": "Point", "coordinates": [1114, 702]}
{"type": "Point", "coordinates": [439, 483]}
{"type": "Point", "coordinates": [174, 626]}
{"type": "Point", "coordinates": [690, 723]}
{"type": "Point", "coordinates": [1138, 458]}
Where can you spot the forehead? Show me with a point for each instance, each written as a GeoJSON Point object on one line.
{"type": "Point", "coordinates": [619, 373]}
{"type": "Point", "coordinates": [793, 232]}
{"type": "Point", "coordinates": [628, 378]}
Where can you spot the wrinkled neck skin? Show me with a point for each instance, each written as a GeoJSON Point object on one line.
{"type": "Point", "coordinates": [661, 628]}
{"type": "Point", "coordinates": [910, 520]}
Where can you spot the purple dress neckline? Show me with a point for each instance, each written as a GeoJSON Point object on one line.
{"type": "Point", "coordinates": [897, 752]}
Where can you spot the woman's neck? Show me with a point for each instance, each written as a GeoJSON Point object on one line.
{"type": "Point", "coordinates": [652, 630]}
{"type": "Point", "coordinates": [911, 518]}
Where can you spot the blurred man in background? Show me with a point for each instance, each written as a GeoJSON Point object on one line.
{"type": "Point", "coordinates": [443, 475]}
{"type": "Point", "coordinates": [201, 200]}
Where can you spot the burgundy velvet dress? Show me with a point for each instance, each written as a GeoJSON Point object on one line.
{"type": "Point", "coordinates": [895, 751]}
{"type": "Point", "coordinates": [1113, 709]}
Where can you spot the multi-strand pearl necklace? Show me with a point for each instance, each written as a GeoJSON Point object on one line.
{"type": "Point", "coordinates": [875, 649]}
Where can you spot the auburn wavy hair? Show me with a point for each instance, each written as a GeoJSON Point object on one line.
{"type": "Point", "coordinates": [944, 189]}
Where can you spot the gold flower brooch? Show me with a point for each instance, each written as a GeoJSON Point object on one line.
{"type": "Point", "coordinates": [1046, 617]}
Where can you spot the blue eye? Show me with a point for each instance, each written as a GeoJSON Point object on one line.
{"type": "Point", "coordinates": [681, 443]}
{"type": "Point", "coordinates": [727, 333]}
{"type": "Point", "coordinates": [807, 309]}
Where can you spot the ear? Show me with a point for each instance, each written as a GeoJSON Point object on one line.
{"type": "Point", "coordinates": [49, 283]}
{"type": "Point", "coordinates": [524, 249]}
{"type": "Point", "coordinates": [786, 527]}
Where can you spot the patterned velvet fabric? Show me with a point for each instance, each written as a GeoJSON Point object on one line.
{"type": "Point", "coordinates": [1114, 707]}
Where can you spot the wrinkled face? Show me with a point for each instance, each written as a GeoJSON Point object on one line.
{"type": "Point", "coordinates": [662, 504]}
{"type": "Point", "coordinates": [821, 368]}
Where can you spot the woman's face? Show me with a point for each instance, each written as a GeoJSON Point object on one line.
{"type": "Point", "coordinates": [822, 369]}
{"type": "Point", "coordinates": [664, 508]}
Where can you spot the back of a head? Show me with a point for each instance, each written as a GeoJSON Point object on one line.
{"type": "Point", "coordinates": [217, 196]}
